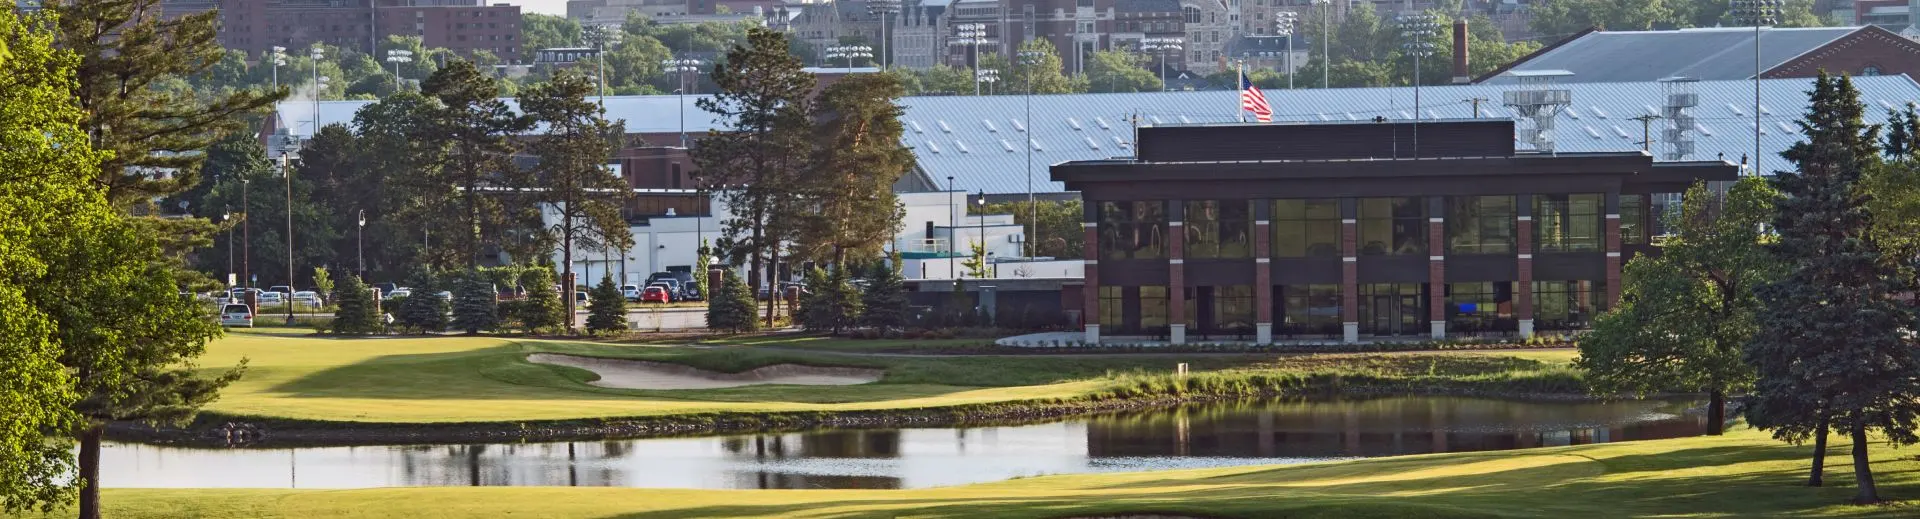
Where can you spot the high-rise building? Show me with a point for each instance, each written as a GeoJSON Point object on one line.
{"type": "Point", "coordinates": [461, 25]}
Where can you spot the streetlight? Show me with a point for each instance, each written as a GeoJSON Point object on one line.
{"type": "Point", "coordinates": [360, 244]}
{"type": "Point", "coordinates": [1028, 59]}
{"type": "Point", "coordinates": [849, 52]}
{"type": "Point", "coordinates": [1326, 40]}
{"type": "Point", "coordinates": [1162, 47]}
{"type": "Point", "coordinates": [288, 174]}
{"type": "Point", "coordinates": [985, 75]}
{"type": "Point", "coordinates": [982, 220]}
{"type": "Point", "coordinates": [1756, 13]}
{"type": "Point", "coordinates": [953, 215]}
{"type": "Point", "coordinates": [683, 67]}
{"type": "Point", "coordinates": [883, 8]}
{"type": "Point", "coordinates": [1283, 25]}
{"type": "Point", "coordinates": [1418, 30]}
{"type": "Point", "coordinates": [396, 57]}
{"type": "Point", "coordinates": [246, 235]}
{"type": "Point", "coordinates": [226, 217]}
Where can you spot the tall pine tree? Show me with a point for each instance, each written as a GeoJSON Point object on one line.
{"type": "Point", "coordinates": [858, 159]}
{"type": "Point", "coordinates": [573, 153]}
{"type": "Point", "coordinates": [475, 306]}
{"type": "Point", "coordinates": [1830, 349]}
{"type": "Point", "coordinates": [477, 166]}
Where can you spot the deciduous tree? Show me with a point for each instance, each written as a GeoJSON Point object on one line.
{"type": "Point", "coordinates": [1686, 315]}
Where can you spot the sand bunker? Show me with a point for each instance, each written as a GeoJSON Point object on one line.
{"type": "Point", "coordinates": [640, 374]}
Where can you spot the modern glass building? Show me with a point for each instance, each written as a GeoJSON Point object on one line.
{"type": "Point", "coordinates": [1363, 229]}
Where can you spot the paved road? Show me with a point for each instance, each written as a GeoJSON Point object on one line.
{"type": "Point", "coordinates": [644, 317]}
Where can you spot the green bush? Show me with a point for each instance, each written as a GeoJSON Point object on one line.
{"type": "Point", "coordinates": [731, 308]}
{"type": "Point", "coordinates": [475, 305]}
{"type": "Point", "coordinates": [542, 309]}
{"type": "Point", "coordinates": [423, 310]}
{"type": "Point", "coordinates": [354, 314]}
{"type": "Point", "coordinates": [606, 308]}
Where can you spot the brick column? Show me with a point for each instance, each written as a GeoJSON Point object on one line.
{"type": "Point", "coordinates": [1437, 273]}
{"type": "Point", "coordinates": [1176, 272]}
{"type": "Point", "coordinates": [1613, 248]}
{"type": "Point", "coordinates": [1090, 294]}
{"type": "Point", "coordinates": [1349, 270]}
{"type": "Point", "coordinates": [1262, 273]}
{"type": "Point", "coordinates": [1523, 275]}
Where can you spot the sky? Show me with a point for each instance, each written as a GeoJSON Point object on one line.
{"type": "Point", "coordinates": [553, 7]}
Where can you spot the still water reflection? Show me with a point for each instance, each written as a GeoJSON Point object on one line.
{"type": "Point", "coordinates": [1227, 434]}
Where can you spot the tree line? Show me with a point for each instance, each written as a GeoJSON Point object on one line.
{"type": "Point", "coordinates": [1790, 295]}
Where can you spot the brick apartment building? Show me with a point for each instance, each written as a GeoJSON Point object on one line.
{"type": "Point", "coordinates": [256, 26]}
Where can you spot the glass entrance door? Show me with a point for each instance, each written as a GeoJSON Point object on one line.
{"type": "Point", "coordinates": [1390, 309]}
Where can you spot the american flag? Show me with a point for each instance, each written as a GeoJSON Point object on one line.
{"type": "Point", "coordinates": [1252, 100]}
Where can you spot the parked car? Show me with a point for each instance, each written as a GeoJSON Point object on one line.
{"type": "Point", "coordinates": [386, 289]}
{"type": "Point", "coordinates": [308, 297]}
{"type": "Point", "coordinates": [273, 298]}
{"type": "Point", "coordinates": [632, 292]}
{"type": "Point", "coordinates": [580, 296]}
{"type": "Point", "coordinates": [236, 315]}
{"type": "Point", "coordinates": [399, 293]}
{"type": "Point", "coordinates": [674, 288]}
{"type": "Point", "coordinates": [445, 295]}
{"type": "Point", "coordinates": [283, 290]}
{"type": "Point", "coordinates": [673, 293]}
{"type": "Point", "coordinates": [656, 294]}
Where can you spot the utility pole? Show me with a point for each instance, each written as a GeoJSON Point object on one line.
{"type": "Point", "coordinates": [1646, 130]}
{"type": "Point", "coordinates": [1476, 105]}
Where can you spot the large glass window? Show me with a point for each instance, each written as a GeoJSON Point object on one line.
{"type": "Point", "coordinates": [1392, 226]}
{"type": "Point", "coordinates": [1311, 309]}
{"type": "Point", "coordinates": [1568, 223]}
{"type": "Point", "coordinates": [1633, 213]}
{"type": "Point", "coordinates": [1306, 227]}
{"type": "Point", "coordinates": [1567, 305]}
{"type": "Point", "coordinates": [1480, 225]}
{"type": "Point", "coordinates": [1233, 308]}
{"type": "Point", "coordinates": [1112, 316]}
{"type": "Point", "coordinates": [1133, 230]}
{"type": "Point", "coordinates": [1153, 308]}
{"type": "Point", "coordinates": [1218, 228]}
{"type": "Point", "coordinates": [1480, 307]}
{"type": "Point", "coordinates": [1392, 309]}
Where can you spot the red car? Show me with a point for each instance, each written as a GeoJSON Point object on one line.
{"type": "Point", "coordinates": [655, 295]}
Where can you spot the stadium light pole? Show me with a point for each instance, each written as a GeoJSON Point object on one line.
{"type": "Point", "coordinates": [1029, 59]}
{"type": "Point", "coordinates": [1756, 13]}
{"type": "Point", "coordinates": [1418, 30]}
{"type": "Point", "coordinates": [1283, 25]}
{"type": "Point", "coordinates": [1326, 40]}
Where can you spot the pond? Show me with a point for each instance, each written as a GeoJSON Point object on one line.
{"type": "Point", "coordinates": [1210, 435]}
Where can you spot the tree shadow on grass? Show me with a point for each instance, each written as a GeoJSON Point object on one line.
{"type": "Point", "coordinates": [1753, 480]}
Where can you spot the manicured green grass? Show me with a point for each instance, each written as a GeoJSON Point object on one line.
{"type": "Point", "coordinates": [472, 379]}
{"type": "Point", "coordinates": [1743, 475]}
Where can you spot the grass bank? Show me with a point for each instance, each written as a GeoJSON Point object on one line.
{"type": "Point", "coordinates": [1743, 474]}
{"type": "Point", "coordinates": [420, 389]}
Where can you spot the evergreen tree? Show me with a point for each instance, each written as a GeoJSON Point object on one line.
{"type": "Point", "coordinates": [477, 128]}
{"type": "Point", "coordinates": [1903, 132]}
{"type": "Point", "coordinates": [573, 155]}
{"type": "Point", "coordinates": [423, 310]}
{"type": "Point", "coordinates": [816, 312]}
{"type": "Point", "coordinates": [832, 304]}
{"type": "Point", "coordinates": [765, 97]}
{"type": "Point", "coordinates": [606, 308]}
{"type": "Point", "coordinates": [353, 313]}
{"type": "Point", "coordinates": [884, 304]}
{"type": "Point", "coordinates": [542, 309]}
{"type": "Point", "coordinates": [858, 159]}
{"type": "Point", "coordinates": [1686, 314]}
{"type": "Point", "coordinates": [1830, 349]}
{"type": "Point", "coordinates": [730, 309]}
{"type": "Point", "coordinates": [475, 305]}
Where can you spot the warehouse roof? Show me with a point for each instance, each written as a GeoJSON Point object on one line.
{"type": "Point", "coordinates": [983, 141]}
{"type": "Point", "coordinates": [1705, 54]}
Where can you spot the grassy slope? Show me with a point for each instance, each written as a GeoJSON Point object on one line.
{"type": "Point", "coordinates": [457, 379]}
{"type": "Point", "coordinates": [1743, 475]}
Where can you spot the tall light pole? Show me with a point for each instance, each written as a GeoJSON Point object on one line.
{"type": "Point", "coordinates": [883, 8]}
{"type": "Point", "coordinates": [360, 244]}
{"type": "Point", "coordinates": [1161, 47]}
{"type": "Point", "coordinates": [1418, 31]}
{"type": "Point", "coordinates": [246, 235]}
{"type": "Point", "coordinates": [1283, 25]}
{"type": "Point", "coordinates": [971, 35]}
{"type": "Point", "coordinates": [982, 237]}
{"type": "Point", "coordinates": [849, 52]}
{"type": "Point", "coordinates": [1756, 13]}
{"type": "Point", "coordinates": [226, 216]}
{"type": "Point", "coordinates": [985, 75]}
{"type": "Point", "coordinates": [287, 173]}
{"type": "Point", "coordinates": [682, 67]}
{"type": "Point", "coordinates": [319, 84]}
{"type": "Point", "coordinates": [1028, 60]}
{"type": "Point", "coordinates": [1326, 40]}
{"type": "Point", "coordinates": [953, 215]}
{"type": "Point", "coordinates": [396, 57]}
{"type": "Point", "coordinates": [279, 58]}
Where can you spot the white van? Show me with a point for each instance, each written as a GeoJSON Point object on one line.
{"type": "Point", "coordinates": [236, 315]}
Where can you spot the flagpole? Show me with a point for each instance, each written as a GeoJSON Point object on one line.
{"type": "Point", "coordinates": [1240, 85]}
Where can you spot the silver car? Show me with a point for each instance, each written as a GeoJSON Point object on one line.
{"type": "Point", "coordinates": [236, 315]}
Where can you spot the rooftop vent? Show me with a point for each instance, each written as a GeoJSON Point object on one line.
{"type": "Point", "coordinates": [1120, 143]}
{"type": "Point", "coordinates": [1405, 115]}
{"type": "Point", "coordinates": [1155, 119]}
{"type": "Point", "coordinates": [1036, 145]}
{"type": "Point", "coordinates": [1785, 128]}
{"type": "Point", "coordinates": [1185, 120]}
{"type": "Point", "coordinates": [1007, 145]}
{"type": "Point", "coordinates": [1596, 111]}
{"type": "Point", "coordinates": [934, 147]}
{"type": "Point", "coordinates": [1091, 143]}
{"type": "Point", "coordinates": [1736, 110]}
{"type": "Point", "coordinates": [1571, 113]}
{"type": "Point", "coordinates": [962, 146]}
{"type": "Point", "coordinates": [1017, 126]}
{"type": "Point", "coordinates": [1102, 122]}
{"type": "Point", "coordinates": [916, 127]}
{"type": "Point", "coordinates": [1592, 133]}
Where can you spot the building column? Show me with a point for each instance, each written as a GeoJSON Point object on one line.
{"type": "Point", "coordinates": [1090, 293]}
{"type": "Point", "coordinates": [1613, 247]}
{"type": "Point", "coordinates": [1262, 273]}
{"type": "Point", "coordinates": [1349, 270]}
{"type": "Point", "coordinates": [1437, 266]}
{"type": "Point", "coordinates": [1176, 272]}
{"type": "Point", "coordinates": [1523, 275]}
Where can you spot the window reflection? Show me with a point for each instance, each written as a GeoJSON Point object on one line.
{"type": "Point", "coordinates": [1306, 228]}
{"type": "Point", "coordinates": [1133, 229]}
{"type": "Point", "coordinates": [1568, 223]}
{"type": "Point", "coordinates": [1218, 228]}
{"type": "Point", "coordinates": [1480, 224]}
{"type": "Point", "coordinates": [1392, 226]}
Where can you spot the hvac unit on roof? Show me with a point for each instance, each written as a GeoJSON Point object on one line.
{"type": "Point", "coordinates": [1538, 102]}
{"type": "Point", "coordinates": [1681, 99]}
